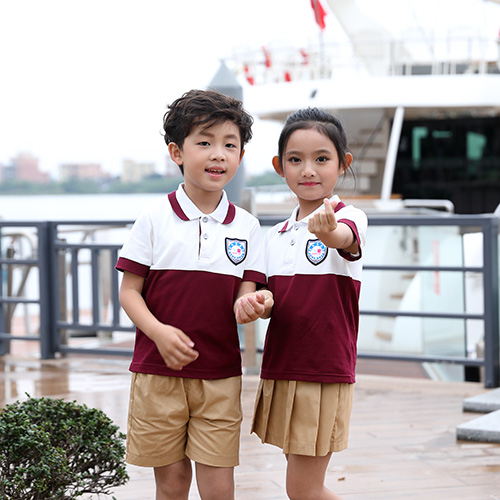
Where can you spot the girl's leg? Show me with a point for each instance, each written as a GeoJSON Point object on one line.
{"type": "Point", "coordinates": [305, 478]}
{"type": "Point", "coordinates": [173, 481]}
{"type": "Point", "coordinates": [215, 483]}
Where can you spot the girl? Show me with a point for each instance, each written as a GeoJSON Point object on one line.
{"type": "Point", "coordinates": [313, 263]}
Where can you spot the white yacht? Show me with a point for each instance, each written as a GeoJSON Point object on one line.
{"type": "Point", "coordinates": [422, 114]}
{"type": "Point", "coordinates": [422, 109]}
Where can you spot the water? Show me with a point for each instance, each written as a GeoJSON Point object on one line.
{"type": "Point", "coordinates": [74, 206]}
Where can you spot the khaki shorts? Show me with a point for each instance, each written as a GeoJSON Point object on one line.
{"type": "Point", "coordinates": [303, 418]}
{"type": "Point", "coordinates": [171, 418]}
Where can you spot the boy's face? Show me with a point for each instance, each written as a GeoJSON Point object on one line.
{"type": "Point", "coordinates": [210, 156]}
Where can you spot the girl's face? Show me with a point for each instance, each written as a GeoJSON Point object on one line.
{"type": "Point", "coordinates": [310, 166]}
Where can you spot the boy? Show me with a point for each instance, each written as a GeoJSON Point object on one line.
{"type": "Point", "coordinates": [191, 265]}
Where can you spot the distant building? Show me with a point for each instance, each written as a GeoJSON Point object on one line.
{"type": "Point", "coordinates": [134, 171]}
{"type": "Point", "coordinates": [25, 167]}
{"type": "Point", "coordinates": [81, 172]}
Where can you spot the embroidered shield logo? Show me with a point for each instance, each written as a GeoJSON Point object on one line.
{"type": "Point", "coordinates": [316, 251]}
{"type": "Point", "coordinates": [236, 250]}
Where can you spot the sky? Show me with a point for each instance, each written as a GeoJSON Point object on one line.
{"type": "Point", "coordinates": [90, 80]}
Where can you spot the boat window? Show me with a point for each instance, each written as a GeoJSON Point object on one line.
{"type": "Point", "coordinates": [457, 159]}
{"type": "Point", "coordinates": [475, 145]}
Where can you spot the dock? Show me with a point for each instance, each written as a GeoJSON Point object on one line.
{"type": "Point", "coordinates": [403, 438]}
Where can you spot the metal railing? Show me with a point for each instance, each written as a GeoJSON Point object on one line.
{"type": "Point", "coordinates": [398, 57]}
{"type": "Point", "coordinates": [488, 225]}
{"type": "Point", "coordinates": [61, 309]}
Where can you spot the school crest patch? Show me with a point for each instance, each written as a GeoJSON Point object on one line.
{"type": "Point", "coordinates": [316, 251]}
{"type": "Point", "coordinates": [236, 250]}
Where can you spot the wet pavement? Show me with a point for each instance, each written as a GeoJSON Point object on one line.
{"type": "Point", "coordinates": [403, 441]}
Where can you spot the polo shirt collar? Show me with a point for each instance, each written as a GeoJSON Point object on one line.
{"type": "Point", "coordinates": [186, 210]}
{"type": "Point", "coordinates": [292, 221]}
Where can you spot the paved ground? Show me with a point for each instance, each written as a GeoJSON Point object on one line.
{"type": "Point", "coordinates": [402, 444]}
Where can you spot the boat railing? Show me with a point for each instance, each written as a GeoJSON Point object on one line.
{"type": "Point", "coordinates": [409, 56]}
{"type": "Point", "coordinates": [72, 291]}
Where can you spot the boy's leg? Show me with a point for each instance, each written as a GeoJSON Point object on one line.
{"type": "Point", "coordinates": [214, 435]}
{"type": "Point", "coordinates": [173, 481]}
{"type": "Point", "coordinates": [305, 478]}
{"type": "Point", "coordinates": [215, 483]}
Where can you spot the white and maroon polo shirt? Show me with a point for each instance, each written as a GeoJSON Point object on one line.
{"type": "Point", "coordinates": [193, 264]}
{"type": "Point", "coordinates": [313, 330]}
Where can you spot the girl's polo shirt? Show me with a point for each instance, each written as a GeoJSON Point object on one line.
{"type": "Point", "coordinates": [193, 264]}
{"type": "Point", "coordinates": [313, 330]}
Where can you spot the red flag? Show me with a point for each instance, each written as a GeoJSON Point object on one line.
{"type": "Point", "coordinates": [319, 13]}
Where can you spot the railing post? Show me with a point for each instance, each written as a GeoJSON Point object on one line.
{"type": "Point", "coordinates": [4, 344]}
{"type": "Point", "coordinates": [491, 300]}
{"type": "Point", "coordinates": [48, 289]}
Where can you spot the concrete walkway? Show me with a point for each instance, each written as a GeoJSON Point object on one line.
{"type": "Point", "coordinates": [487, 427]}
{"type": "Point", "coordinates": [403, 442]}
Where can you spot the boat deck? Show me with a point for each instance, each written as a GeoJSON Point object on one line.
{"type": "Point", "coordinates": [402, 440]}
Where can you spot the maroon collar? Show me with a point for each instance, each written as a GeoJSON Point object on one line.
{"type": "Point", "coordinates": [176, 207]}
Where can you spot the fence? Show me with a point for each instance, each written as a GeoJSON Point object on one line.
{"type": "Point", "coordinates": [58, 262]}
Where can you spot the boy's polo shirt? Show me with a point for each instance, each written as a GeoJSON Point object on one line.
{"type": "Point", "coordinates": [193, 264]}
{"type": "Point", "coordinates": [312, 333]}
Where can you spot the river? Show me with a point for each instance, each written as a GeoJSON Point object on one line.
{"type": "Point", "coordinates": [73, 206]}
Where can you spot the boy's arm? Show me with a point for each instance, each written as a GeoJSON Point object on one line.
{"type": "Point", "coordinates": [250, 305]}
{"type": "Point", "coordinates": [175, 347]}
{"type": "Point", "coordinates": [324, 225]}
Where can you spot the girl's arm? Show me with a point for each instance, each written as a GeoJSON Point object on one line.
{"type": "Point", "coordinates": [324, 225]}
{"type": "Point", "coordinates": [250, 305]}
{"type": "Point", "coordinates": [175, 347]}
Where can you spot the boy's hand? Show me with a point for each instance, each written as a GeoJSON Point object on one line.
{"type": "Point", "coordinates": [175, 347]}
{"type": "Point", "coordinates": [254, 305]}
{"type": "Point", "coordinates": [324, 221]}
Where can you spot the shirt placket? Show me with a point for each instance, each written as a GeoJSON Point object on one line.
{"type": "Point", "coordinates": [292, 246]}
{"type": "Point", "coordinates": [208, 230]}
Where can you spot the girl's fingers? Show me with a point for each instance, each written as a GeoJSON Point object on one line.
{"type": "Point", "coordinates": [322, 221]}
{"type": "Point", "coordinates": [329, 212]}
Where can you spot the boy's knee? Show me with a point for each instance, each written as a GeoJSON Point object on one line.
{"type": "Point", "coordinates": [215, 483]}
{"type": "Point", "coordinates": [218, 492]}
{"type": "Point", "coordinates": [173, 481]}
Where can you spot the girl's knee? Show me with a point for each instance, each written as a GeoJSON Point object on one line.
{"type": "Point", "coordinates": [295, 491]}
{"type": "Point", "coordinates": [306, 488]}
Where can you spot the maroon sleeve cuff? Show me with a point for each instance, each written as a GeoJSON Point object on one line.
{"type": "Point", "coordinates": [354, 229]}
{"type": "Point", "coordinates": [131, 266]}
{"type": "Point", "coordinates": [256, 277]}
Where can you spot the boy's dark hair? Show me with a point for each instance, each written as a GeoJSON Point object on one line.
{"type": "Point", "coordinates": [320, 120]}
{"type": "Point", "coordinates": [200, 107]}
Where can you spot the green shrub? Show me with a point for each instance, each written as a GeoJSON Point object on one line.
{"type": "Point", "coordinates": [58, 450]}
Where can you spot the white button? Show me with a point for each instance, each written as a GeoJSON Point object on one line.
{"type": "Point", "coordinates": [205, 236]}
{"type": "Point", "coordinates": [296, 227]}
{"type": "Point", "coordinates": [292, 242]}
{"type": "Point", "coordinates": [205, 219]}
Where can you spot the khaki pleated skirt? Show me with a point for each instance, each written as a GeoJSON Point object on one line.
{"type": "Point", "coordinates": [303, 418]}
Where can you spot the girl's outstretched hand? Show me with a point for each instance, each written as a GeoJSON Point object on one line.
{"type": "Point", "coordinates": [323, 221]}
{"type": "Point", "coordinates": [254, 305]}
{"type": "Point", "coordinates": [325, 227]}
